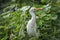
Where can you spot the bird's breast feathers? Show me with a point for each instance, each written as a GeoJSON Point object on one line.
{"type": "Point", "coordinates": [31, 25]}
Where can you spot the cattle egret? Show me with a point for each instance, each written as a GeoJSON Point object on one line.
{"type": "Point", "coordinates": [31, 26]}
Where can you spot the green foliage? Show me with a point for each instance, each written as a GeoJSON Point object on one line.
{"type": "Point", "coordinates": [13, 24]}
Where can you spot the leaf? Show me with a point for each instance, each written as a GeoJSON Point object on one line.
{"type": "Point", "coordinates": [54, 17]}
{"type": "Point", "coordinates": [42, 14]}
{"type": "Point", "coordinates": [41, 22]}
{"type": "Point", "coordinates": [6, 16]}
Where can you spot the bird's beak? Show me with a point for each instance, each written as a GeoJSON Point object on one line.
{"type": "Point", "coordinates": [38, 8]}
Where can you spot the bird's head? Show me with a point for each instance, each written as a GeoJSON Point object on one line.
{"type": "Point", "coordinates": [33, 9]}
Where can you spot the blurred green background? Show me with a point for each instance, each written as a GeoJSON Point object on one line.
{"type": "Point", "coordinates": [13, 22]}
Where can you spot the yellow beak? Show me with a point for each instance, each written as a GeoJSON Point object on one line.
{"type": "Point", "coordinates": [38, 8]}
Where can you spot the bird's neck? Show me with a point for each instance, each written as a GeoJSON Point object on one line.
{"type": "Point", "coordinates": [33, 16]}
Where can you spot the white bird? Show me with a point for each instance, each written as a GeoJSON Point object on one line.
{"type": "Point", "coordinates": [31, 26]}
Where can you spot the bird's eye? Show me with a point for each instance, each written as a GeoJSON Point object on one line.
{"type": "Point", "coordinates": [34, 9]}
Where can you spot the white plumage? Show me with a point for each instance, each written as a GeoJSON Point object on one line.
{"type": "Point", "coordinates": [31, 26]}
